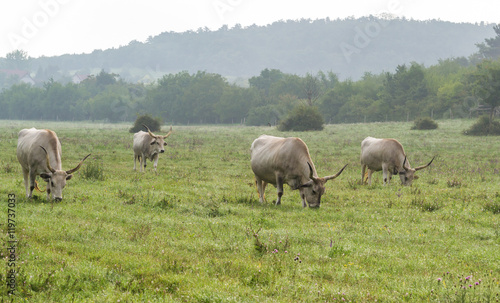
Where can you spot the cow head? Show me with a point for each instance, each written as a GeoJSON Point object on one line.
{"type": "Point", "coordinates": [407, 175]}
{"type": "Point", "coordinates": [157, 143]}
{"type": "Point", "coordinates": [315, 188]}
{"type": "Point", "coordinates": [56, 179]}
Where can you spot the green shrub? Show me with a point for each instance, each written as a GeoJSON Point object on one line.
{"type": "Point", "coordinates": [93, 170]}
{"type": "Point", "coordinates": [154, 124]}
{"type": "Point", "coordinates": [302, 118]}
{"type": "Point", "coordinates": [424, 123]}
{"type": "Point", "coordinates": [483, 127]}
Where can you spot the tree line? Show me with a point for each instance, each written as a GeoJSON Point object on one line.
{"type": "Point", "coordinates": [453, 88]}
{"type": "Point", "coordinates": [448, 89]}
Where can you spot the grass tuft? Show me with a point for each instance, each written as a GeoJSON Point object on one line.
{"type": "Point", "coordinates": [338, 251]}
{"type": "Point", "coordinates": [419, 201]}
{"type": "Point", "coordinates": [454, 183]}
{"type": "Point", "coordinates": [493, 206]}
{"type": "Point", "coordinates": [8, 168]}
{"type": "Point", "coordinates": [93, 171]}
{"type": "Point", "coordinates": [167, 202]}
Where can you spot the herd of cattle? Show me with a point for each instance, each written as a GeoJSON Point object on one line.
{"type": "Point", "coordinates": [274, 160]}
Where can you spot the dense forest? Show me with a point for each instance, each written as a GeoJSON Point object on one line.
{"type": "Point", "coordinates": [348, 47]}
{"type": "Point", "coordinates": [451, 88]}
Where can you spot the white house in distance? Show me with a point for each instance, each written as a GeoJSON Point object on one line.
{"type": "Point", "coordinates": [23, 76]}
{"type": "Point", "coordinates": [78, 78]}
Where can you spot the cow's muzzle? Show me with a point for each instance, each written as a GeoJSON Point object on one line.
{"type": "Point", "coordinates": [162, 151]}
{"type": "Point", "coordinates": [58, 199]}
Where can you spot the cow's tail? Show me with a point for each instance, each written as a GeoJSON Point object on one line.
{"type": "Point", "coordinates": [38, 188]}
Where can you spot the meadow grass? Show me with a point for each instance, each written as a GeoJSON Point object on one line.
{"type": "Point", "coordinates": [195, 231]}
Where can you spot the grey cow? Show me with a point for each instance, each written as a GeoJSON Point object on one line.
{"type": "Point", "coordinates": [279, 160]}
{"type": "Point", "coordinates": [388, 156]}
{"type": "Point", "coordinates": [39, 153]}
{"type": "Point", "coordinates": [148, 146]}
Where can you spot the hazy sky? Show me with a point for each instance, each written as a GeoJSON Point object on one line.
{"type": "Point", "coordinates": [56, 27]}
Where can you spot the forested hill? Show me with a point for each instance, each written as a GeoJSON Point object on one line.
{"type": "Point", "coordinates": [348, 47]}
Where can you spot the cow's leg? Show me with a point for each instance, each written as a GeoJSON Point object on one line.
{"type": "Point", "coordinates": [32, 177]}
{"type": "Point", "coordinates": [155, 161]}
{"type": "Point", "coordinates": [363, 168]}
{"type": "Point", "coordinates": [135, 160]}
{"type": "Point", "coordinates": [264, 184]}
{"type": "Point", "coordinates": [143, 162]}
{"type": "Point", "coordinates": [26, 182]}
{"type": "Point", "coordinates": [387, 174]}
{"type": "Point", "coordinates": [48, 191]}
{"type": "Point", "coordinates": [384, 172]}
{"type": "Point", "coordinates": [303, 197]}
{"type": "Point", "coordinates": [261, 187]}
{"type": "Point", "coordinates": [279, 187]}
{"type": "Point", "coordinates": [370, 172]}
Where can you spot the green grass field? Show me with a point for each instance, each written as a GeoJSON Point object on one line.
{"type": "Point", "coordinates": [195, 232]}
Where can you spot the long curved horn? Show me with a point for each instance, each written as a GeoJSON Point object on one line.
{"type": "Point", "coordinates": [150, 133]}
{"type": "Point", "coordinates": [48, 161]}
{"type": "Point", "coordinates": [310, 171]}
{"type": "Point", "coordinates": [424, 166]}
{"type": "Point", "coordinates": [336, 175]}
{"type": "Point", "coordinates": [313, 179]}
{"type": "Point", "coordinates": [404, 162]}
{"type": "Point", "coordinates": [169, 133]}
{"type": "Point", "coordinates": [78, 166]}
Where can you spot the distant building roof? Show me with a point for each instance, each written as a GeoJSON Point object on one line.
{"type": "Point", "coordinates": [15, 72]}
{"type": "Point", "coordinates": [77, 78]}
{"type": "Point", "coordinates": [23, 75]}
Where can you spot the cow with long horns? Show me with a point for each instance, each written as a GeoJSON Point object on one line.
{"type": "Point", "coordinates": [279, 160]}
{"type": "Point", "coordinates": [388, 156]}
{"type": "Point", "coordinates": [148, 146]}
{"type": "Point", "coordinates": [39, 153]}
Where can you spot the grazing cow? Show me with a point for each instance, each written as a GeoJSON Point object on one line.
{"type": "Point", "coordinates": [388, 156]}
{"type": "Point", "coordinates": [39, 153]}
{"type": "Point", "coordinates": [278, 160]}
{"type": "Point", "coordinates": [148, 145]}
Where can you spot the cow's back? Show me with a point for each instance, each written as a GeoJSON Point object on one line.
{"type": "Point", "coordinates": [24, 143]}
{"type": "Point", "coordinates": [287, 156]}
{"type": "Point", "coordinates": [375, 151]}
{"type": "Point", "coordinates": [369, 146]}
{"type": "Point", "coordinates": [264, 149]}
{"type": "Point", "coordinates": [29, 152]}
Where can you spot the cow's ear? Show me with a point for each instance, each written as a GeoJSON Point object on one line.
{"type": "Point", "coordinates": [415, 177]}
{"type": "Point", "coordinates": [152, 142]}
{"type": "Point", "coordinates": [45, 176]}
{"type": "Point", "coordinates": [68, 177]}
